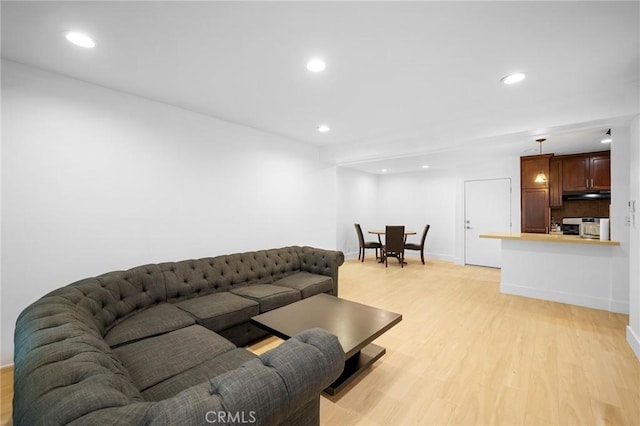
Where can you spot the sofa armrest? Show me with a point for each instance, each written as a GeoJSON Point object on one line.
{"type": "Point", "coordinates": [322, 262]}
{"type": "Point", "coordinates": [267, 390]}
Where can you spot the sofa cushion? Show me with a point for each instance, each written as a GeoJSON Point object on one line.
{"type": "Point", "coordinates": [159, 319]}
{"type": "Point", "coordinates": [200, 373]}
{"type": "Point", "coordinates": [219, 311]}
{"type": "Point", "coordinates": [268, 296]}
{"type": "Point", "coordinates": [308, 284]}
{"type": "Point", "coordinates": [243, 334]}
{"type": "Point", "coordinates": [152, 360]}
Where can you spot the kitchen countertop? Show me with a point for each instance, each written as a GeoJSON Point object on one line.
{"type": "Point", "coordinates": [549, 238]}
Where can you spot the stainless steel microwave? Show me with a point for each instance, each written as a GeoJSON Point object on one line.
{"type": "Point", "coordinates": [571, 225]}
{"type": "Point", "coordinates": [590, 228]}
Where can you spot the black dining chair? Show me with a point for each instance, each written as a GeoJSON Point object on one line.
{"type": "Point", "coordinates": [365, 244]}
{"type": "Point", "coordinates": [394, 244]}
{"type": "Point", "coordinates": [419, 247]}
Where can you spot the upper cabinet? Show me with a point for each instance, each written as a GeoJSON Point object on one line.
{"type": "Point", "coordinates": [586, 172]}
{"type": "Point", "coordinates": [575, 173]}
{"type": "Point", "coordinates": [531, 167]}
{"type": "Point", "coordinates": [555, 182]}
{"type": "Point", "coordinates": [600, 171]}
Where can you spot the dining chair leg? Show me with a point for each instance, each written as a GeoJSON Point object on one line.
{"type": "Point", "coordinates": [422, 256]}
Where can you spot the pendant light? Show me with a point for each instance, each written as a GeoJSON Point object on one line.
{"type": "Point", "coordinates": [540, 177]}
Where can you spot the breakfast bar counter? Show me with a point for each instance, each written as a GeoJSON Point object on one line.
{"type": "Point", "coordinates": [559, 268]}
{"type": "Point", "coordinates": [550, 238]}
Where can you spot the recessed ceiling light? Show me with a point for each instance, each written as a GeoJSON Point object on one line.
{"type": "Point", "coordinates": [425, 167]}
{"type": "Point", "coordinates": [607, 140]}
{"type": "Point", "coordinates": [514, 78]}
{"type": "Point", "coordinates": [323, 128]}
{"type": "Point", "coordinates": [316, 65]}
{"type": "Point", "coordinates": [80, 39]}
{"type": "Point", "coordinates": [384, 170]}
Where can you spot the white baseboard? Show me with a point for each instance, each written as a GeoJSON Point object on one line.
{"type": "Point", "coordinates": [619, 307]}
{"type": "Point", "coordinates": [557, 296]}
{"type": "Point", "coordinates": [6, 366]}
{"type": "Point", "coordinates": [349, 256]}
{"type": "Point", "coordinates": [634, 341]}
{"type": "Point", "coordinates": [432, 256]}
{"type": "Point", "coordinates": [438, 256]}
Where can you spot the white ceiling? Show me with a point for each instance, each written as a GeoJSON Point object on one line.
{"type": "Point", "coordinates": [406, 84]}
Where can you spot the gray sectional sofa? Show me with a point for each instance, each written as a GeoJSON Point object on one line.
{"type": "Point", "coordinates": [159, 344]}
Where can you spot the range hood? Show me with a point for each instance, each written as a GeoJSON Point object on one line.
{"type": "Point", "coordinates": [591, 195]}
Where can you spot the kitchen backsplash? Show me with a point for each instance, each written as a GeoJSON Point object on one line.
{"type": "Point", "coordinates": [581, 208]}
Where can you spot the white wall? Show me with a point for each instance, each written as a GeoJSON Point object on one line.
{"type": "Point", "coordinates": [633, 330]}
{"type": "Point", "coordinates": [95, 180]}
{"type": "Point", "coordinates": [620, 177]}
{"type": "Point", "coordinates": [357, 193]}
{"type": "Point", "coordinates": [417, 199]}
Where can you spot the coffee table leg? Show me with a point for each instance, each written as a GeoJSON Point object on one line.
{"type": "Point", "coordinates": [355, 365]}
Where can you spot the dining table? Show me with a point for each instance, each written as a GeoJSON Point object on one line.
{"type": "Point", "coordinates": [380, 233]}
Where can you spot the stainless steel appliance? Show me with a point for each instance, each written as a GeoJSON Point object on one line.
{"type": "Point", "coordinates": [592, 195]}
{"type": "Point", "coordinates": [590, 228]}
{"type": "Point", "coordinates": [571, 225]}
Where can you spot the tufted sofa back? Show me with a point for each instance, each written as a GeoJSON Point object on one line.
{"type": "Point", "coordinates": [60, 355]}
{"type": "Point", "coordinates": [112, 297]}
{"type": "Point", "coordinates": [191, 278]}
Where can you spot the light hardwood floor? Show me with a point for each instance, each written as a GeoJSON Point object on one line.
{"type": "Point", "coordinates": [6, 395]}
{"type": "Point", "coordinates": [464, 354]}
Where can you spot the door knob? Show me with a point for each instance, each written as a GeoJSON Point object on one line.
{"type": "Point", "coordinates": [468, 227]}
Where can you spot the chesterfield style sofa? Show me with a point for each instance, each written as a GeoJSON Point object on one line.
{"type": "Point", "coordinates": [161, 345]}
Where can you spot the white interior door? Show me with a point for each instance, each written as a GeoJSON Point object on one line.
{"type": "Point", "coordinates": [487, 208]}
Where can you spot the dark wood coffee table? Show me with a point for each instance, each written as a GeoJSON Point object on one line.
{"type": "Point", "coordinates": [356, 326]}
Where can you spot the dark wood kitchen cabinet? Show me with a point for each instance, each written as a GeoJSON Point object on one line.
{"type": "Point", "coordinates": [534, 196]}
{"type": "Point", "coordinates": [530, 167]}
{"type": "Point", "coordinates": [586, 172]}
{"type": "Point", "coordinates": [555, 182]}
{"type": "Point", "coordinates": [600, 172]}
{"type": "Point", "coordinates": [535, 210]}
